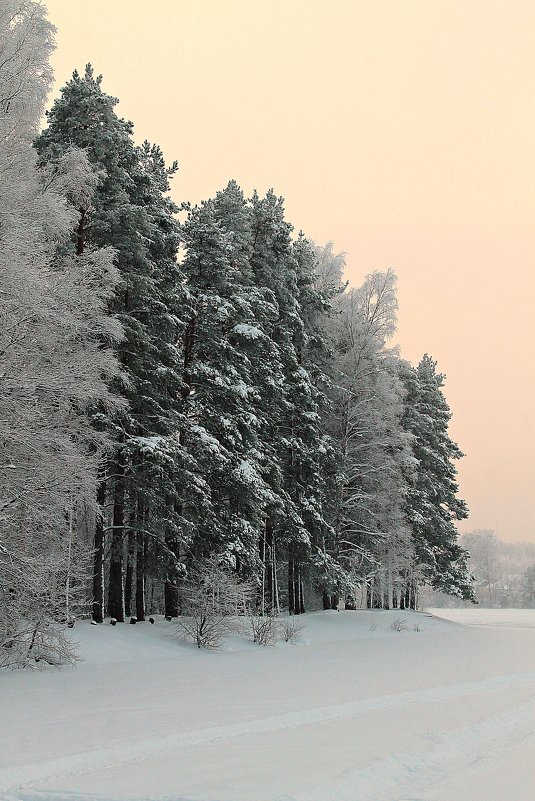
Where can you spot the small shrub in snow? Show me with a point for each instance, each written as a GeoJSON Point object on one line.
{"type": "Point", "coordinates": [53, 648]}
{"type": "Point", "coordinates": [211, 599]}
{"type": "Point", "coordinates": [399, 624]}
{"type": "Point", "coordinates": [39, 645]}
{"type": "Point", "coordinates": [416, 627]}
{"type": "Point", "coordinates": [292, 629]}
{"type": "Point", "coordinates": [206, 628]}
{"type": "Point", "coordinates": [265, 630]}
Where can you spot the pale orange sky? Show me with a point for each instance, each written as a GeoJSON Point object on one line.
{"type": "Point", "coordinates": [403, 131]}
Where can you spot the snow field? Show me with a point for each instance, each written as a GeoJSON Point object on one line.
{"type": "Point", "coordinates": [355, 712]}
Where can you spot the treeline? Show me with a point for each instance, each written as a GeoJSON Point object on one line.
{"type": "Point", "coordinates": [174, 390]}
{"type": "Point", "coordinates": [504, 572]}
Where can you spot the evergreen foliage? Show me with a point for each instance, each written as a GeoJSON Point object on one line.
{"type": "Point", "coordinates": [432, 505]}
{"type": "Point", "coordinates": [144, 482]}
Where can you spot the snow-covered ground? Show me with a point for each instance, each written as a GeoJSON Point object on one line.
{"type": "Point", "coordinates": [474, 616]}
{"type": "Point", "coordinates": [443, 711]}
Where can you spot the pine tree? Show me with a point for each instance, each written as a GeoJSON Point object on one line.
{"type": "Point", "coordinates": [254, 387]}
{"type": "Point", "coordinates": [144, 479]}
{"type": "Point", "coordinates": [287, 270]}
{"type": "Point", "coordinates": [432, 504]}
{"type": "Point", "coordinates": [227, 357]}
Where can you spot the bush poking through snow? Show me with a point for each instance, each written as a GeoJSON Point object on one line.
{"type": "Point", "coordinates": [399, 624]}
{"type": "Point", "coordinates": [265, 630]}
{"type": "Point", "coordinates": [206, 628]}
{"type": "Point", "coordinates": [211, 599]}
{"type": "Point", "coordinates": [292, 628]}
{"type": "Point", "coordinates": [39, 645]}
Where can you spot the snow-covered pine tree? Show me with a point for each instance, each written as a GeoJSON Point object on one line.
{"type": "Point", "coordinates": [287, 270]}
{"type": "Point", "coordinates": [170, 495]}
{"type": "Point", "coordinates": [143, 484]}
{"type": "Point", "coordinates": [432, 505]}
{"type": "Point", "coordinates": [54, 355]}
{"type": "Point", "coordinates": [266, 375]}
{"type": "Point", "coordinates": [228, 357]}
{"type": "Point", "coordinates": [254, 378]}
{"type": "Point", "coordinates": [319, 468]}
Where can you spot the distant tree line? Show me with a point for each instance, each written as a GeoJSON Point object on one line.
{"type": "Point", "coordinates": [182, 384]}
{"type": "Point", "coordinates": [504, 572]}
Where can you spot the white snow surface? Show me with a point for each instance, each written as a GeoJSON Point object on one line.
{"type": "Point", "coordinates": [354, 711]}
{"type": "Point", "coordinates": [248, 331]}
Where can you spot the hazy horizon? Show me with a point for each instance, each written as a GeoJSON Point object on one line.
{"type": "Point", "coordinates": [401, 132]}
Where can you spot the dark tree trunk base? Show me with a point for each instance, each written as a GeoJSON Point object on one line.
{"type": "Point", "coordinates": [171, 600]}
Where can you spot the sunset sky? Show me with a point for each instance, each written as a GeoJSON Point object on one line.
{"type": "Point", "coordinates": [403, 131]}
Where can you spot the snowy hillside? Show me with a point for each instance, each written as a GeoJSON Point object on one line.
{"type": "Point", "coordinates": [355, 711]}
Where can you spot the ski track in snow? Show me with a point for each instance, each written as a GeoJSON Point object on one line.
{"type": "Point", "coordinates": [384, 779]}
{"type": "Point", "coordinates": [419, 771]}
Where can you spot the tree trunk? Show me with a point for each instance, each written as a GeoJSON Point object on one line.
{"type": "Point", "coordinates": [171, 599]}
{"type": "Point", "coordinates": [369, 596]}
{"type": "Point", "coordinates": [413, 594]}
{"type": "Point", "coordinates": [141, 558]}
{"type": "Point", "coordinates": [116, 588]}
{"type": "Point", "coordinates": [98, 558]}
{"type": "Point", "coordinates": [301, 592]}
{"type": "Point", "coordinates": [129, 577]}
{"type": "Point", "coordinates": [292, 594]}
{"type": "Point", "coordinates": [330, 600]}
{"type": "Point", "coordinates": [274, 580]}
{"type": "Point", "coordinates": [296, 601]}
{"type": "Point", "coordinates": [269, 601]}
